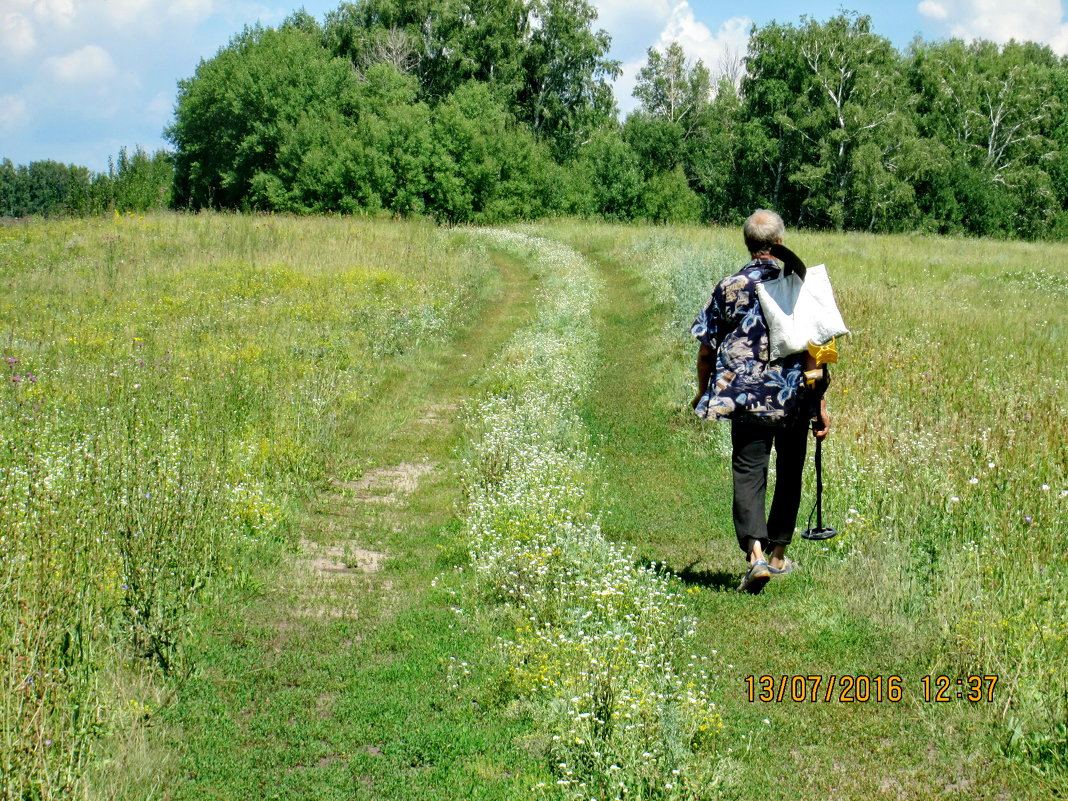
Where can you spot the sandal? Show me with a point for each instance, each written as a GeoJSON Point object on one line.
{"type": "Point", "coordinates": [755, 577]}
{"type": "Point", "coordinates": [789, 565]}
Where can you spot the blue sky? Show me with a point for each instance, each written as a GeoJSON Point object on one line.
{"type": "Point", "coordinates": [81, 78]}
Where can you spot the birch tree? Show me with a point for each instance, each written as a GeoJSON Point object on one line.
{"type": "Point", "coordinates": [672, 87]}
{"type": "Point", "coordinates": [992, 109]}
{"type": "Point", "coordinates": [827, 103]}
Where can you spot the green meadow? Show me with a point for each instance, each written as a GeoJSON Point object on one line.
{"type": "Point", "coordinates": [341, 508]}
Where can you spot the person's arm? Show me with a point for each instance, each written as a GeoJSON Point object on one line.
{"type": "Point", "coordinates": [821, 420]}
{"type": "Point", "coordinates": [706, 330]}
{"type": "Point", "coordinates": [706, 362]}
{"type": "Point", "coordinates": [821, 423]}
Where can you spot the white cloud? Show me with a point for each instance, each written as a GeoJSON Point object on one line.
{"type": "Point", "coordinates": [16, 34]}
{"type": "Point", "coordinates": [191, 9]}
{"type": "Point", "coordinates": [631, 24]}
{"type": "Point", "coordinates": [1023, 20]}
{"type": "Point", "coordinates": [128, 15]}
{"type": "Point", "coordinates": [719, 50]}
{"type": "Point", "coordinates": [78, 78]}
{"type": "Point", "coordinates": [635, 27]}
{"type": "Point", "coordinates": [625, 83]}
{"type": "Point", "coordinates": [933, 10]}
{"type": "Point", "coordinates": [611, 14]}
{"type": "Point", "coordinates": [727, 44]}
{"type": "Point", "coordinates": [54, 12]}
{"type": "Point", "coordinates": [12, 112]}
{"type": "Point", "coordinates": [90, 64]}
{"type": "Point", "coordinates": [152, 13]}
{"type": "Point", "coordinates": [125, 12]}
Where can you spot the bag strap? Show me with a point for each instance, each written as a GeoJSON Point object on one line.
{"type": "Point", "coordinates": [791, 262]}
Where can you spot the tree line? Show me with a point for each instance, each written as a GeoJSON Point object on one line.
{"type": "Point", "coordinates": [493, 110]}
{"type": "Point", "coordinates": [134, 181]}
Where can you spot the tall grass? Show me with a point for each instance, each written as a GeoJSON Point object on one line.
{"type": "Point", "coordinates": [948, 462]}
{"type": "Point", "coordinates": [594, 646]}
{"type": "Point", "coordinates": [172, 387]}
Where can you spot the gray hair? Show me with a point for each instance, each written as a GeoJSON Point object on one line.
{"type": "Point", "coordinates": [762, 230]}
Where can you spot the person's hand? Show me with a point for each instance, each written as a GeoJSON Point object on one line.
{"type": "Point", "coordinates": [821, 423]}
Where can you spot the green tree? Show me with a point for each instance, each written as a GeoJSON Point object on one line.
{"type": "Point", "coordinates": [1058, 163]}
{"type": "Point", "coordinates": [80, 196]}
{"type": "Point", "coordinates": [393, 138]}
{"type": "Point", "coordinates": [11, 190]}
{"type": "Point", "coordinates": [376, 159]}
{"type": "Point", "coordinates": [606, 178]}
{"type": "Point", "coordinates": [566, 94]}
{"type": "Point", "coordinates": [444, 43]}
{"type": "Point", "coordinates": [48, 184]}
{"type": "Point", "coordinates": [655, 140]}
{"type": "Point", "coordinates": [452, 107]}
{"type": "Point", "coordinates": [47, 188]}
{"type": "Point", "coordinates": [992, 112]}
{"type": "Point", "coordinates": [541, 58]}
{"type": "Point", "coordinates": [102, 193]}
{"type": "Point", "coordinates": [140, 181]}
{"type": "Point", "coordinates": [301, 20]}
{"type": "Point", "coordinates": [232, 117]}
{"type": "Point", "coordinates": [486, 168]}
{"type": "Point", "coordinates": [824, 105]}
{"type": "Point", "coordinates": [671, 87]}
{"type": "Point", "coordinates": [668, 198]}
{"type": "Point", "coordinates": [711, 155]}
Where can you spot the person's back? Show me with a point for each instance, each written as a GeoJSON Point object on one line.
{"type": "Point", "coordinates": [767, 403]}
{"type": "Point", "coordinates": [749, 387]}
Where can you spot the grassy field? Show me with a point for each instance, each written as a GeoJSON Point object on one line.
{"type": "Point", "coordinates": [353, 509]}
{"type": "Point", "coordinates": [173, 389]}
{"type": "Point", "coordinates": [947, 481]}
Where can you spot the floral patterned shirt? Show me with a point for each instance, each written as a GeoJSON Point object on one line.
{"type": "Point", "coordinates": [746, 385]}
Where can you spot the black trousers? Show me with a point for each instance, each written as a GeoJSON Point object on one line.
{"type": "Point", "coordinates": [751, 451]}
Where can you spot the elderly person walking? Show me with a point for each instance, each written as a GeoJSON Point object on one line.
{"type": "Point", "coordinates": [767, 402]}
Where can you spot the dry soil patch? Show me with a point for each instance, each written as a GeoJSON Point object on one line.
{"type": "Point", "coordinates": [387, 484]}
{"type": "Point", "coordinates": [340, 558]}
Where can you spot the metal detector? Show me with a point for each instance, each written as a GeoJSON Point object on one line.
{"type": "Point", "coordinates": [819, 532]}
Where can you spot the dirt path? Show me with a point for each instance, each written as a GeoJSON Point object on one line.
{"type": "Point", "coordinates": [335, 682]}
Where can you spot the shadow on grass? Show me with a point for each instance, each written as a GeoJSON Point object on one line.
{"type": "Point", "coordinates": [712, 579]}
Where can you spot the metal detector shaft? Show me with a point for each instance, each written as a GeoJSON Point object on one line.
{"type": "Point", "coordinates": [819, 532]}
{"type": "Point", "coordinates": [819, 484]}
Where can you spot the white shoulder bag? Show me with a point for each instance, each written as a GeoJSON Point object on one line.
{"type": "Point", "coordinates": [800, 311]}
